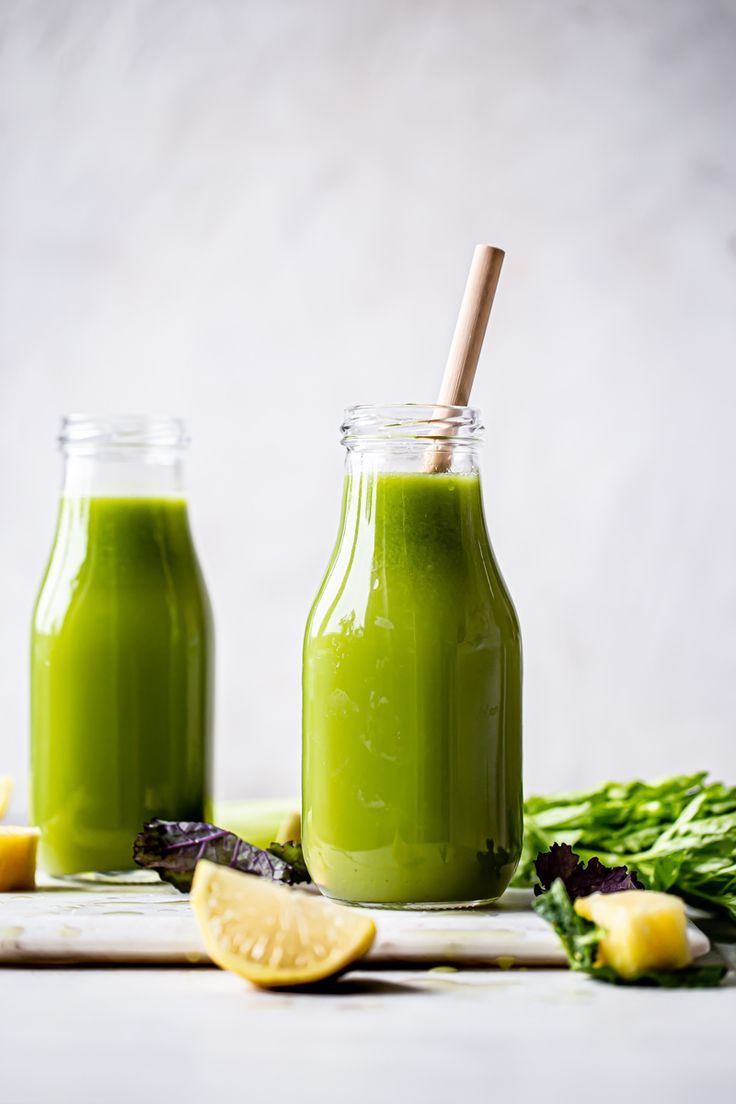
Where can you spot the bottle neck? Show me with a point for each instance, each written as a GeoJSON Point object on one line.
{"type": "Point", "coordinates": [115, 473]}
{"type": "Point", "coordinates": [384, 492]}
{"type": "Point", "coordinates": [415, 458]}
{"type": "Point", "coordinates": [412, 478]}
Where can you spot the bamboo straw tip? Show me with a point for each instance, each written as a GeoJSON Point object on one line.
{"type": "Point", "coordinates": [490, 251]}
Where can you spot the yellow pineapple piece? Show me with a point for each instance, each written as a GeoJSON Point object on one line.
{"type": "Point", "coordinates": [644, 930]}
{"type": "Point", "coordinates": [6, 789]}
{"type": "Point", "coordinates": [290, 830]}
{"type": "Point", "coordinates": [18, 858]}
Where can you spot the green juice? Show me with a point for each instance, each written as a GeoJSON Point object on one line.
{"type": "Point", "coordinates": [412, 701]}
{"type": "Point", "coordinates": [120, 681]}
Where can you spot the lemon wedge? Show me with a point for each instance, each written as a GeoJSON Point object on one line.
{"type": "Point", "coordinates": [18, 858]}
{"type": "Point", "coordinates": [6, 789]}
{"type": "Point", "coordinates": [273, 935]}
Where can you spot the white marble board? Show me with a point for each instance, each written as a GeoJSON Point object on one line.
{"type": "Point", "coordinates": [155, 925]}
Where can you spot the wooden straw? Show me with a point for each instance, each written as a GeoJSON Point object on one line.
{"type": "Point", "coordinates": [467, 341]}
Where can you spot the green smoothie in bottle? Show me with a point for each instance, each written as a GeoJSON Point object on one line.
{"type": "Point", "coordinates": [412, 680]}
{"type": "Point", "coordinates": [121, 656]}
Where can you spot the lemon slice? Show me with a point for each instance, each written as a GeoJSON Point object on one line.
{"type": "Point", "coordinates": [6, 789]}
{"type": "Point", "coordinates": [273, 935]}
{"type": "Point", "coordinates": [18, 858]}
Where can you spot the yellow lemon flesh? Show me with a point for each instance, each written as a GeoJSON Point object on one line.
{"type": "Point", "coordinates": [643, 930]}
{"type": "Point", "coordinates": [6, 789]}
{"type": "Point", "coordinates": [273, 935]}
{"type": "Point", "coordinates": [18, 858]}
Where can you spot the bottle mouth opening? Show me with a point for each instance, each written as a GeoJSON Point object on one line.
{"type": "Point", "coordinates": [89, 432]}
{"type": "Point", "coordinates": [411, 423]}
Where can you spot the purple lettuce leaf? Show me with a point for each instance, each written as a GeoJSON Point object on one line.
{"type": "Point", "coordinates": [579, 879]}
{"type": "Point", "coordinates": [173, 849]}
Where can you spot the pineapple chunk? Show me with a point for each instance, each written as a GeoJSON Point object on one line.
{"type": "Point", "coordinates": [644, 930]}
{"type": "Point", "coordinates": [290, 830]}
{"type": "Point", "coordinates": [18, 858]}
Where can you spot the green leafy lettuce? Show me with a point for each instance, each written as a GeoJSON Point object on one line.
{"type": "Point", "coordinates": [678, 835]}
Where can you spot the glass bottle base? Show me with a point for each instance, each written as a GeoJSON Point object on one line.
{"type": "Point", "coordinates": [414, 906]}
{"type": "Point", "coordinates": [88, 878]}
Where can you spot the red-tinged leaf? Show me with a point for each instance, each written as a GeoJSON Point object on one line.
{"type": "Point", "coordinates": [579, 879]}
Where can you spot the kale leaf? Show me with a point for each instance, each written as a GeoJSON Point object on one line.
{"type": "Point", "coordinates": [173, 849]}
{"type": "Point", "coordinates": [580, 938]}
{"type": "Point", "coordinates": [580, 880]}
{"type": "Point", "coordinates": [292, 854]}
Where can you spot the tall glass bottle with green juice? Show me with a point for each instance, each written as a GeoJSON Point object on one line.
{"type": "Point", "coordinates": [121, 652]}
{"type": "Point", "coordinates": [412, 677]}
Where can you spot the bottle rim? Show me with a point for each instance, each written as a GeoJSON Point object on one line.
{"type": "Point", "coordinates": [89, 432]}
{"type": "Point", "coordinates": [411, 422]}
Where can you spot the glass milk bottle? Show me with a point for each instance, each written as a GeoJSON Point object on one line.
{"type": "Point", "coordinates": [122, 649]}
{"type": "Point", "coordinates": [412, 677]}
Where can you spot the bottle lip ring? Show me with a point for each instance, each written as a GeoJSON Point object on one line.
{"type": "Point", "coordinates": [411, 422]}
{"type": "Point", "coordinates": [87, 431]}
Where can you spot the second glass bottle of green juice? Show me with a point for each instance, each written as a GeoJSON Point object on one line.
{"type": "Point", "coordinates": [121, 659]}
{"type": "Point", "coordinates": [412, 677]}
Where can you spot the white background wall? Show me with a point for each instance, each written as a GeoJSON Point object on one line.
{"type": "Point", "coordinates": [254, 214]}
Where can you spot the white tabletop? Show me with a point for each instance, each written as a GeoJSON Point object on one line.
{"type": "Point", "coordinates": [198, 1034]}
